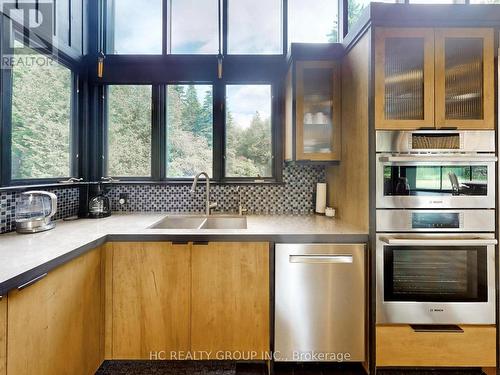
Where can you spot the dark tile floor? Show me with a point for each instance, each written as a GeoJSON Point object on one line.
{"type": "Point", "coordinates": [232, 368]}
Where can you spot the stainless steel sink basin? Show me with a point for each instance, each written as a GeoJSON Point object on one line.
{"type": "Point", "coordinates": [225, 222]}
{"type": "Point", "coordinates": [201, 222]}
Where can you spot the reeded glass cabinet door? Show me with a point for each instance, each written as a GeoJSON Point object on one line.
{"type": "Point", "coordinates": [404, 78]}
{"type": "Point", "coordinates": [464, 71]}
{"type": "Point", "coordinates": [318, 111]}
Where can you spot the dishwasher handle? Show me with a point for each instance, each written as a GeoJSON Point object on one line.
{"type": "Point", "coordinates": [322, 259]}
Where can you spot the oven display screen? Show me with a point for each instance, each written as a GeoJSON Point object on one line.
{"type": "Point", "coordinates": [437, 220]}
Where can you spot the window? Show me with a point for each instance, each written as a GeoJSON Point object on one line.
{"type": "Point", "coordinates": [248, 131]}
{"type": "Point", "coordinates": [134, 27]}
{"type": "Point", "coordinates": [129, 131]}
{"type": "Point", "coordinates": [356, 7]}
{"type": "Point", "coordinates": [254, 27]}
{"type": "Point", "coordinates": [312, 21]}
{"type": "Point", "coordinates": [189, 130]}
{"type": "Point", "coordinates": [194, 26]}
{"type": "Point", "coordinates": [41, 119]}
{"type": "Point", "coordinates": [437, 1]}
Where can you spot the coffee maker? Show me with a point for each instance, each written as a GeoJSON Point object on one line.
{"type": "Point", "coordinates": [35, 211]}
{"type": "Point", "coordinates": [94, 204]}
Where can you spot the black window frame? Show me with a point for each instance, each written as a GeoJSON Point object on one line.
{"type": "Point", "coordinates": [65, 57]}
{"type": "Point", "coordinates": [154, 173]}
{"type": "Point", "coordinates": [198, 69]}
{"type": "Point", "coordinates": [159, 163]}
{"type": "Point", "coordinates": [275, 136]}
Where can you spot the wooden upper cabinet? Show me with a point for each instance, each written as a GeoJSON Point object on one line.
{"type": "Point", "coordinates": [150, 299]}
{"type": "Point", "coordinates": [464, 69]}
{"type": "Point", "coordinates": [404, 78]}
{"type": "Point", "coordinates": [434, 78]}
{"type": "Point", "coordinates": [54, 325]}
{"type": "Point", "coordinates": [230, 298]}
{"type": "Point", "coordinates": [313, 111]}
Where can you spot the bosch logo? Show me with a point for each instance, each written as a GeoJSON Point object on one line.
{"type": "Point", "coordinates": [436, 310]}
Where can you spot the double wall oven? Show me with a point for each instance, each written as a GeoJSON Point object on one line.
{"type": "Point", "coordinates": [435, 244]}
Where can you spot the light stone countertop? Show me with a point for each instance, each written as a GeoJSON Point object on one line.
{"type": "Point", "coordinates": [23, 257]}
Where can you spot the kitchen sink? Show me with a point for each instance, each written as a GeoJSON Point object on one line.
{"type": "Point", "coordinates": [201, 222]}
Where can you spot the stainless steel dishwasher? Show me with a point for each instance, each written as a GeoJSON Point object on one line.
{"type": "Point", "coordinates": [320, 302]}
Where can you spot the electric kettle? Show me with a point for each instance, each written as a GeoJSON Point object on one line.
{"type": "Point", "coordinates": [35, 211]}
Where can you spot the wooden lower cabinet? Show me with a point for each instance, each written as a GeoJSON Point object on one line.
{"type": "Point", "coordinates": [401, 346]}
{"type": "Point", "coordinates": [54, 325]}
{"type": "Point", "coordinates": [230, 299]}
{"type": "Point", "coordinates": [150, 299]}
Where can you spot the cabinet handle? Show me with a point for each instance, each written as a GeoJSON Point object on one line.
{"type": "Point", "coordinates": [203, 243]}
{"type": "Point", "coordinates": [31, 282]}
{"type": "Point", "coordinates": [440, 328]}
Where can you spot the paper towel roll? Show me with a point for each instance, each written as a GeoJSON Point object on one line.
{"type": "Point", "coordinates": [320, 198]}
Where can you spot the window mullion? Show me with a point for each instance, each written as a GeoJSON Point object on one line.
{"type": "Point", "coordinates": [218, 130]}
{"type": "Point", "coordinates": [74, 149]}
{"type": "Point", "coordinates": [224, 26]}
{"type": "Point", "coordinates": [6, 127]}
{"type": "Point", "coordinates": [162, 135]}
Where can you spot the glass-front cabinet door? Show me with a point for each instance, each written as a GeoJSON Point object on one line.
{"type": "Point", "coordinates": [318, 117]}
{"type": "Point", "coordinates": [464, 68]}
{"type": "Point", "coordinates": [404, 78]}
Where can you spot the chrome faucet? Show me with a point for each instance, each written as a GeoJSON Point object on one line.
{"type": "Point", "coordinates": [209, 205]}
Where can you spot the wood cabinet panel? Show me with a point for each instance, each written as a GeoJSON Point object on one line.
{"type": "Point", "coordinates": [464, 86]}
{"type": "Point", "coordinates": [399, 345]}
{"type": "Point", "coordinates": [151, 300]}
{"type": "Point", "coordinates": [404, 78]}
{"type": "Point", "coordinates": [3, 336]}
{"type": "Point", "coordinates": [54, 325]}
{"type": "Point", "coordinates": [230, 297]}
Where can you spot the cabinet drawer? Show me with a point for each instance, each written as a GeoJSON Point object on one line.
{"type": "Point", "coordinates": [400, 345]}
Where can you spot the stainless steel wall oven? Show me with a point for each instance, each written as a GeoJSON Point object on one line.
{"type": "Point", "coordinates": [436, 278]}
{"type": "Point", "coordinates": [435, 243]}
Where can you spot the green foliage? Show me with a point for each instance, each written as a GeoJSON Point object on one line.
{"type": "Point", "coordinates": [41, 104]}
{"type": "Point", "coordinates": [189, 132]}
{"type": "Point", "coordinates": [129, 132]}
{"type": "Point", "coordinates": [248, 150]}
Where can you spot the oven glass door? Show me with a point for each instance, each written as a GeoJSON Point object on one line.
{"type": "Point", "coordinates": [435, 180]}
{"type": "Point", "coordinates": [435, 274]}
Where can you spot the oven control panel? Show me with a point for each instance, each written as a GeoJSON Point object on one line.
{"type": "Point", "coordinates": [435, 220]}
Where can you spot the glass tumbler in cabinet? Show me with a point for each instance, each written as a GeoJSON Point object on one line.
{"type": "Point", "coordinates": [465, 78]}
{"type": "Point", "coordinates": [318, 117]}
{"type": "Point", "coordinates": [404, 78]}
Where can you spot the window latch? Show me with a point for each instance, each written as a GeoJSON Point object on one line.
{"type": "Point", "coordinates": [100, 65]}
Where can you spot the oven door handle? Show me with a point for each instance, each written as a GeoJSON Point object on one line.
{"type": "Point", "coordinates": [439, 158]}
{"type": "Point", "coordinates": [443, 241]}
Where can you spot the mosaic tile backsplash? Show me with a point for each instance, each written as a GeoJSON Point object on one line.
{"type": "Point", "coordinates": [295, 196]}
{"type": "Point", "coordinates": [67, 205]}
